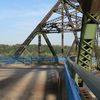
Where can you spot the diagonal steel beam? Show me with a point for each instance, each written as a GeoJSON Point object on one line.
{"type": "Point", "coordinates": [71, 22]}
{"type": "Point", "coordinates": [34, 32]}
{"type": "Point", "coordinates": [49, 45]}
{"type": "Point", "coordinates": [80, 10]}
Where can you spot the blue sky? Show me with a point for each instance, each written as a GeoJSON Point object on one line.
{"type": "Point", "coordinates": [19, 17]}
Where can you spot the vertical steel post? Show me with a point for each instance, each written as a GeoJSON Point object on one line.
{"type": "Point", "coordinates": [86, 47]}
{"type": "Point", "coordinates": [62, 35]}
{"type": "Point", "coordinates": [87, 43]}
{"type": "Point", "coordinates": [39, 44]}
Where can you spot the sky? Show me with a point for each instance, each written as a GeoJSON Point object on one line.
{"type": "Point", "coordinates": [18, 18]}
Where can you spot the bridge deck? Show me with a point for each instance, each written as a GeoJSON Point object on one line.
{"type": "Point", "coordinates": [30, 84]}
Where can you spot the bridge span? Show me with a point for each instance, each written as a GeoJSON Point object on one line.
{"type": "Point", "coordinates": [40, 81]}
{"type": "Point", "coordinates": [66, 77]}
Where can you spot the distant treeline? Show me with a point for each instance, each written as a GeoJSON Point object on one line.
{"type": "Point", "coordinates": [32, 50]}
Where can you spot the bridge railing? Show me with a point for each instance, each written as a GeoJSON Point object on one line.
{"type": "Point", "coordinates": [72, 89]}
{"type": "Point", "coordinates": [89, 79]}
{"type": "Point", "coordinates": [29, 59]}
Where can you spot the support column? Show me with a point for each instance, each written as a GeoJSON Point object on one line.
{"type": "Point", "coordinates": [62, 35]}
{"type": "Point", "coordinates": [91, 15]}
{"type": "Point", "coordinates": [39, 44]}
{"type": "Point", "coordinates": [87, 43]}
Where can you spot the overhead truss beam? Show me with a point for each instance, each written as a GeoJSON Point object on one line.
{"type": "Point", "coordinates": [35, 31]}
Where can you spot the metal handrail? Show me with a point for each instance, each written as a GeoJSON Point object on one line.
{"type": "Point", "coordinates": [72, 90]}
{"type": "Point", "coordinates": [90, 80]}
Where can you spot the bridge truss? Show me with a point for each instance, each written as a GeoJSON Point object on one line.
{"type": "Point", "coordinates": [74, 16]}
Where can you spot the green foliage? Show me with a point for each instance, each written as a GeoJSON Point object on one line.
{"type": "Point", "coordinates": [31, 50]}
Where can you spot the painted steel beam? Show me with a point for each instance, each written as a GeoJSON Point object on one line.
{"type": "Point", "coordinates": [87, 44]}
{"type": "Point", "coordinates": [49, 45]}
{"type": "Point", "coordinates": [80, 10]}
{"type": "Point", "coordinates": [39, 44]}
{"type": "Point", "coordinates": [90, 80]}
{"type": "Point", "coordinates": [91, 14]}
{"type": "Point", "coordinates": [62, 34]}
{"type": "Point", "coordinates": [71, 22]}
{"type": "Point", "coordinates": [89, 28]}
{"type": "Point", "coordinates": [34, 32]}
{"type": "Point", "coordinates": [91, 6]}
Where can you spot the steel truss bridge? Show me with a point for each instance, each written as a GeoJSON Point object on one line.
{"type": "Point", "coordinates": [74, 16]}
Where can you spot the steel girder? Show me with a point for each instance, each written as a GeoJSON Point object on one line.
{"type": "Point", "coordinates": [62, 34]}
{"type": "Point", "coordinates": [39, 44]}
{"type": "Point", "coordinates": [89, 27]}
{"type": "Point", "coordinates": [88, 33]}
{"type": "Point", "coordinates": [52, 26]}
{"type": "Point", "coordinates": [49, 45]}
{"type": "Point", "coordinates": [55, 25]}
{"type": "Point", "coordinates": [90, 21]}
{"type": "Point", "coordinates": [35, 31]}
{"type": "Point", "coordinates": [87, 43]}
